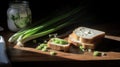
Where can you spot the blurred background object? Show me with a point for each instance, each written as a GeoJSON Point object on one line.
{"type": "Point", "coordinates": [1, 28]}
{"type": "Point", "coordinates": [18, 15]}
{"type": "Point", "coordinates": [4, 61]}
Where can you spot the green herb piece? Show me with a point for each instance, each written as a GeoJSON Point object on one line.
{"type": "Point", "coordinates": [59, 41]}
{"type": "Point", "coordinates": [41, 46]}
{"type": "Point", "coordinates": [82, 48]}
{"type": "Point", "coordinates": [56, 41]}
{"type": "Point", "coordinates": [44, 48]}
{"type": "Point", "coordinates": [96, 53]}
{"type": "Point", "coordinates": [53, 53]}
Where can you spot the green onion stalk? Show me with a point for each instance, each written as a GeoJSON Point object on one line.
{"type": "Point", "coordinates": [29, 31]}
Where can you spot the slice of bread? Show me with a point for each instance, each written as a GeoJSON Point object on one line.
{"type": "Point", "coordinates": [86, 37]}
{"type": "Point", "coordinates": [55, 46]}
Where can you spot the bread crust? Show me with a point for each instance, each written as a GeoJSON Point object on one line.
{"type": "Point", "coordinates": [85, 45]}
{"type": "Point", "coordinates": [65, 48]}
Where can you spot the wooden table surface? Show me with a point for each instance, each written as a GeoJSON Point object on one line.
{"type": "Point", "coordinates": [110, 45]}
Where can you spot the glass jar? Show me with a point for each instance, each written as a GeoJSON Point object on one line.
{"type": "Point", "coordinates": [19, 15]}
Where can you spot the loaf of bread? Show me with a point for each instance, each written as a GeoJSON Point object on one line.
{"type": "Point", "coordinates": [58, 46]}
{"type": "Point", "coordinates": [86, 37]}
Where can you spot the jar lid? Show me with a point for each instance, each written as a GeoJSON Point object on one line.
{"type": "Point", "coordinates": [19, 3]}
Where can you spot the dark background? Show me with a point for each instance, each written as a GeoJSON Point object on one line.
{"type": "Point", "coordinates": [103, 11]}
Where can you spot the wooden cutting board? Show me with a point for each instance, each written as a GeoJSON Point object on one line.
{"type": "Point", "coordinates": [110, 45]}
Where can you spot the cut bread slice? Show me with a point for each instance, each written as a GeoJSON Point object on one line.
{"type": "Point", "coordinates": [86, 37]}
{"type": "Point", "coordinates": [52, 45]}
{"type": "Point", "coordinates": [77, 43]}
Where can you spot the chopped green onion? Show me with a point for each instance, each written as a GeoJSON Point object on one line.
{"type": "Point", "coordinates": [82, 48]}
{"type": "Point", "coordinates": [53, 53]}
{"type": "Point", "coordinates": [96, 53]}
{"type": "Point", "coordinates": [44, 49]}
{"type": "Point", "coordinates": [59, 41]}
{"type": "Point", "coordinates": [41, 46]}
